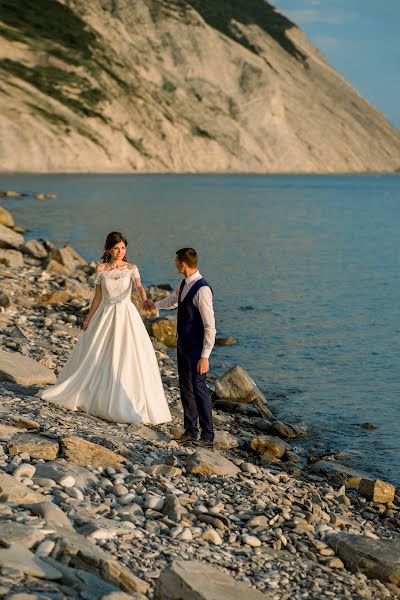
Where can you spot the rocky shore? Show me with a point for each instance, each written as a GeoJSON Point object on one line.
{"type": "Point", "coordinates": [105, 511]}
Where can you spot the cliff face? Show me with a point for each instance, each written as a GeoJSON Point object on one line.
{"type": "Point", "coordinates": [176, 85]}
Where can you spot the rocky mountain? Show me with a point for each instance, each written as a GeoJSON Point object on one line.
{"type": "Point", "coordinates": [176, 86]}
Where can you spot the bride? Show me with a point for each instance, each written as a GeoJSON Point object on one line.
{"type": "Point", "coordinates": [112, 372]}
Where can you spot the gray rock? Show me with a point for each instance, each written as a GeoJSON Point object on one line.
{"type": "Point", "coordinates": [9, 238]}
{"type": "Point", "coordinates": [11, 258]}
{"type": "Point", "coordinates": [20, 533]}
{"type": "Point", "coordinates": [192, 580]}
{"type": "Point", "coordinates": [51, 513]}
{"type": "Point", "coordinates": [208, 462]}
{"type": "Point", "coordinates": [22, 560]}
{"type": "Point", "coordinates": [237, 385]}
{"type": "Point", "coordinates": [60, 469]}
{"type": "Point", "coordinates": [15, 492]}
{"type": "Point", "coordinates": [377, 559]}
{"type": "Point", "coordinates": [339, 473]}
{"type": "Point", "coordinates": [147, 433]}
{"type": "Point", "coordinates": [23, 370]}
{"type": "Point", "coordinates": [35, 248]}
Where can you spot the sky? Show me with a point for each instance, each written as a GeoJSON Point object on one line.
{"type": "Point", "coordinates": [360, 39]}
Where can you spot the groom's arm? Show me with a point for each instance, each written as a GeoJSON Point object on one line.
{"type": "Point", "coordinates": [169, 302]}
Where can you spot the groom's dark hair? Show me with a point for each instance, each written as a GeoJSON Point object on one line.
{"type": "Point", "coordinates": [188, 256]}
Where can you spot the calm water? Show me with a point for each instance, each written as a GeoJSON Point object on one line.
{"type": "Point", "coordinates": [305, 271]}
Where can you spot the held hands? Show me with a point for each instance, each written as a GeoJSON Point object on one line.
{"type": "Point", "coordinates": [203, 366]}
{"type": "Point", "coordinates": [148, 305]}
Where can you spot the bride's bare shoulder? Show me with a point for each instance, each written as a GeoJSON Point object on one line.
{"type": "Point", "coordinates": [100, 267]}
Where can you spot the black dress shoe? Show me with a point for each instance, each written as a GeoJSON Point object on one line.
{"type": "Point", "coordinates": [187, 438]}
{"type": "Point", "coordinates": [204, 443]}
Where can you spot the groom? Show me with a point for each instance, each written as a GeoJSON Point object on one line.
{"type": "Point", "coordinates": [196, 338]}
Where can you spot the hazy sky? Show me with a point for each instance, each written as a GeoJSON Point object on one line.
{"type": "Point", "coordinates": [361, 39]}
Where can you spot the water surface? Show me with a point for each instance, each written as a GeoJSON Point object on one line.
{"type": "Point", "coordinates": [305, 275]}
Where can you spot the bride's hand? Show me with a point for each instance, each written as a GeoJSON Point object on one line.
{"type": "Point", "coordinates": [85, 324]}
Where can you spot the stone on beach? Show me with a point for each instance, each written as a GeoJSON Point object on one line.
{"type": "Point", "coordinates": [22, 560]}
{"type": "Point", "coordinates": [20, 533]}
{"type": "Point", "coordinates": [11, 258]}
{"type": "Point", "coordinates": [269, 443]}
{"type": "Point", "coordinates": [339, 473]}
{"type": "Point", "coordinates": [61, 470]}
{"type": "Point", "coordinates": [10, 239]}
{"type": "Point", "coordinates": [208, 462]}
{"type": "Point", "coordinates": [6, 217]}
{"type": "Point", "coordinates": [164, 330]}
{"type": "Point", "coordinates": [192, 580]}
{"type": "Point", "coordinates": [69, 258]}
{"type": "Point", "coordinates": [225, 440]}
{"type": "Point", "coordinates": [377, 559]}
{"type": "Point", "coordinates": [36, 445]}
{"type": "Point", "coordinates": [377, 490]}
{"type": "Point", "coordinates": [81, 452]}
{"type": "Point", "coordinates": [237, 385]}
{"type": "Point", "coordinates": [12, 490]}
{"type": "Point", "coordinates": [35, 248]}
{"type": "Point", "coordinates": [50, 512]}
{"type": "Point", "coordinates": [74, 550]}
{"type": "Point", "coordinates": [23, 370]}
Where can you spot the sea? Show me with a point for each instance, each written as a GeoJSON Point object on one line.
{"type": "Point", "coordinates": [305, 273]}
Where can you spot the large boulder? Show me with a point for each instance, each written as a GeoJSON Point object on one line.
{"type": "Point", "coordinates": [208, 462]}
{"type": "Point", "coordinates": [35, 248]}
{"type": "Point", "coordinates": [20, 560]}
{"type": "Point", "coordinates": [59, 469]}
{"type": "Point", "coordinates": [271, 444]}
{"type": "Point", "coordinates": [82, 452]}
{"type": "Point", "coordinates": [11, 258]}
{"type": "Point", "coordinates": [69, 258]}
{"type": "Point", "coordinates": [15, 492]}
{"type": "Point", "coordinates": [377, 490]}
{"type": "Point", "coordinates": [76, 551]}
{"type": "Point", "coordinates": [10, 238]}
{"type": "Point", "coordinates": [377, 559]}
{"type": "Point", "coordinates": [237, 385]}
{"type": "Point", "coordinates": [23, 370]}
{"type": "Point", "coordinates": [6, 217]}
{"type": "Point", "coordinates": [37, 446]}
{"type": "Point", "coordinates": [192, 580]}
{"type": "Point", "coordinates": [163, 329]}
{"type": "Point", "coordinates": [338, 473]}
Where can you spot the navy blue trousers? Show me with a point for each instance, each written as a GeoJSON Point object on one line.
{"type": "Point", "coordinates": [195, 396]}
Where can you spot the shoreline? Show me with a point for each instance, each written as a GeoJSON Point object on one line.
{"type": "Point", "coordinates": [262, 519]}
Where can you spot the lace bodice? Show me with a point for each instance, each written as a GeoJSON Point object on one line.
{"type": "Point", "coordinates": [116, 284]}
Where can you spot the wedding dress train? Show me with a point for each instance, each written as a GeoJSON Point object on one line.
{"type": "Point", "coordinates": [112, 372]}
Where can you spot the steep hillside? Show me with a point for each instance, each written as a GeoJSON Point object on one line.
{"type": "Point", "coordinates": [176, 85]}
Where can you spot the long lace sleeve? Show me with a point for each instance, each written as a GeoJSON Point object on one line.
{"type": "Point", "coordinates": [136, 278]}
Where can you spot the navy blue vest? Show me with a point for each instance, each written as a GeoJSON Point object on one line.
{"type": "Point", "coordinates": [190, 324]}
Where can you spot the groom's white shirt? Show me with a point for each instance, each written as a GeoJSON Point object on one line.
{"type": "Point", "coordinates": [203, 300]}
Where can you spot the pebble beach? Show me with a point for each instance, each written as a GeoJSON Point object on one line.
{"type": "Point", "coordinates": [104, 511]}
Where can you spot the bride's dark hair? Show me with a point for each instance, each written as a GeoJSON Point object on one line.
{"type": "Point", "coordinates": [113, 238]}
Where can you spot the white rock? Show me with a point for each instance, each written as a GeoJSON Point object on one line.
{"type": "Point", "coordinates": [67, 481]}
{"type": "Point", "coordinates": [212, 536]}
{"type": "Point", "coordinates": [155, 502]}
{"type": "Point", "coordinates": [251, 540]}
{"type": "Point", "coordinates": [45, 548]}
{"type": "Point", "coordinates": [25, 470]}
{"type": "Point", "coordinates": [186, 535]}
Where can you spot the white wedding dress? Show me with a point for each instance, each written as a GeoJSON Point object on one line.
{"type": "Point", "coordinates": [112, 372]}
